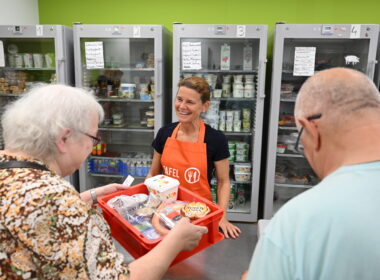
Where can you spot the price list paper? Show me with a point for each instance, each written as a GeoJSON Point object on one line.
{"type": "Point", "coordinates": [191, 55]}
{"type": "Point", "coordinates": [94, 55]}
{"type": "Point", "coordinates": [304, 61]}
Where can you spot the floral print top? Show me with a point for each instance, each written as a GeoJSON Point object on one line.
{"type": "Point", "coordinates": [48, 232]}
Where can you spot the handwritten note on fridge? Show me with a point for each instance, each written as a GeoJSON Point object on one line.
{"type": "Point", "coordinates": [304, 61]}
{"type": "Point", "coordinates": [94, 55]}
{"type": "Point", "coordinates": [191, 55]}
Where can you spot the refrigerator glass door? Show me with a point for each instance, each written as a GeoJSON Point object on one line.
{"type": "Point", "coordinates": [301, 59]}
{"type": "Point", "coordinates": [121, 73]}
{"type": "Point", "coordinates": [230, 66]}
{"type": "Point", "coordinates": [27, 62]}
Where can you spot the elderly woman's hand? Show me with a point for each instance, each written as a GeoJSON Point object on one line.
{"type": "Point", "coordinates": [100, 191]}
{"type": "Point", "coordinates": [110, 188]}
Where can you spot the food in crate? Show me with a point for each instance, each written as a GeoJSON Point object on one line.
{"type": "Point", "coordinates": [195, 210]}
{"type": "Point", "coordinates": [164, 187]}
{"type": "Point", "coordinates": [156, 214]}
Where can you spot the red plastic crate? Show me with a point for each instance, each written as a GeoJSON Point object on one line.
{"type": "Point", "coordinates": [138, 245]}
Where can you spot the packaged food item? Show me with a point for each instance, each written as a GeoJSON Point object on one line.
{"type": "Point", "coordinates": [195, 210]}
{"type": "Point", "coordinates": [243, 167]}
{"type": "Point", "coordinates": [281, 148]}
{"type": "Point", "coordinates": [141, 198]}
{"type": "Point", "coordinates": [164, 187]}
{"type": "Point", "coordinates": [241, 157]}
{"type": "Point", "coordinates": [243, 176]}
{"type": "Point", "coordinates": [145, 212]}
{"type": "Point", "coordinates": [125, 205]}
{"type": "Point", "coordinates": [240, 199]}
{"type": "Point", "coordinates": [167, 215]}
{"type": "Point", "coordinates": [225, 57]}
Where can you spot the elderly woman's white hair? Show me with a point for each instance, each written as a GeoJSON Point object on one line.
{"type": "Point", "coordinates": [32, 123]}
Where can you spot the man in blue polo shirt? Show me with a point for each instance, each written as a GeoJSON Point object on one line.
{"type": "Point", "coordinates": [331, 231]}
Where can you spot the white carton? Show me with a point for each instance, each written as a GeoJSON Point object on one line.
{"type": "Point", "coordinates": [225, 57]}
{"type": "Point", "coordinates": [164, 187]}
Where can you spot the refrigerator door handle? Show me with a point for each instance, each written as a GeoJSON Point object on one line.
{"type": "Point", "coordinates": [261, 81]}
{"type": "Point", "coordinates": [159, 77]}
{"type": "Point", "coordinates": [371, 68]}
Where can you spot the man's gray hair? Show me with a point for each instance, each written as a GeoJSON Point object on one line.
{"type": "Point", "coordinates": [339, 93]}
{"type": "Point", "coordinates": [32, 123]}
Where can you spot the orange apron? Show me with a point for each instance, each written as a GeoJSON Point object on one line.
{"type": "Point", "coordinates": [187, 162]}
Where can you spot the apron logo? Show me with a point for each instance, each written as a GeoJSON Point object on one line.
{"type": "Point", "coordinates": [192, 175]}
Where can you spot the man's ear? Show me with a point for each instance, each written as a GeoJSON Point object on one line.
{"type": "Point", "coordinates": [62, 140]}
{"type": "Point", "coordinates": [310, 129]}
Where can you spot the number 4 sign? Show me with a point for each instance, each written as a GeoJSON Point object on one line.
{"type": "Point", "coordinates": [355, 31]}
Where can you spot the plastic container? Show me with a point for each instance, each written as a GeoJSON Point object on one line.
{"type": "Point", "coordinates": [164, 187]}
{"type": "Point", "coordinates": [138, 245]}
{"type": "Point", "coordinates": [243, 176]}
{"type": "Point", "coordinates": [243, 167]}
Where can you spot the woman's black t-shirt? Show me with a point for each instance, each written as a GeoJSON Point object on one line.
{"type": "Point", "coordinates": [216, 144]}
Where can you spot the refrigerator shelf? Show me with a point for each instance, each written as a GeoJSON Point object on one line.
{"type": "Point", "coordinates": [240, 162]}
{"type": "Point", "coordinates": [288, 128]}
{"type": "Point", "coordinates": [240, 182]}
{"type": "Point", "coordinates": [234, 99]}
{"type": "Point", "coordinates": [121, 99]}
{"type": "Point", "coordinates": [292, 186]}
{"type": "Point", "coordinates": [220, 71]}
{"type": "Point", "coordinates": [125, 129]}
{"type": "Point", "coordinates": [239, 210]}
{"type": "Point", "coordinates": [27, 69]}
{"type": "Point", "coordinates": [121, 69]}
{"type": "Point", "coordinates": [287, 99]}
{"type": "Point", "coordinates": [238, 133]}
{"type": "Point", "coordinates": [290, 155]}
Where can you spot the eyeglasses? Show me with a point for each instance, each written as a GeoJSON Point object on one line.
{"type": "Point", "coordinates": [299, 148]}
{"type": "Point", "coordinates": [95, 140]}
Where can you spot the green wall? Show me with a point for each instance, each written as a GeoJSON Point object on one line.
{"type": "Point", "coordinates": [208, 11]}
{"type": "Point", "coordinates": [165, 12]}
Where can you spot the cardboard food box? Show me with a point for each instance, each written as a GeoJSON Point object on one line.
{"type": "Point", "coordinates": [138, 245]}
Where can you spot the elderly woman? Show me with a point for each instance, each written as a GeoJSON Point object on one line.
{"type": "Point", "coordinates": [47, 229]}
{"type": "Point", "coordinates": [192, 151]}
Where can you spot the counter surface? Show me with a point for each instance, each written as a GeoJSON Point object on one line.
{"type": "Point", "coordinates": [226, 260]}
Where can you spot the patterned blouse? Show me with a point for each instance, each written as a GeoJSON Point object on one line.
{"type": "Point", "coordinates": [48, 232]}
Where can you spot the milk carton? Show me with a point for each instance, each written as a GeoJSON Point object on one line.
{"type": "Point", "coordinates": [164, 187]}
{"type": "Point", "coordinates": [225, 57]}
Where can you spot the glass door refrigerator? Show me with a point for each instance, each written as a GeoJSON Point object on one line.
{"type": "Point", "coordinates": [232, 59]}
{"type": "Point", "coordinates": [32, 54]}
{"type": "Point", "coordinates": [377, 71]}
{"type": "Point", "coordinates": [299, 52]}
{"type": "Point", "coordinates": [124, 66]}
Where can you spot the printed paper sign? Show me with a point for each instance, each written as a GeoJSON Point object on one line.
{"type": "Point", "coordinates": [191, 55]}
{"type": "Point", "coordinates": [304, 60]}
{"type": "Point", "coordinates": [94, 55]}
{"type": "Point", "coordinates": [136, 31]}
{"type": "Point", "coordinates": [240, 31]}
{"type": "Point", "coordinates": [2, 61]}
{"type": "Point", "coordinates": [355, 31]}
{"type": "Point", "coordinates": [39, 30]}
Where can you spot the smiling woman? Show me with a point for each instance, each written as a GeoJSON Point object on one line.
{"type": "Point", "coordinates": [192, 150]}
